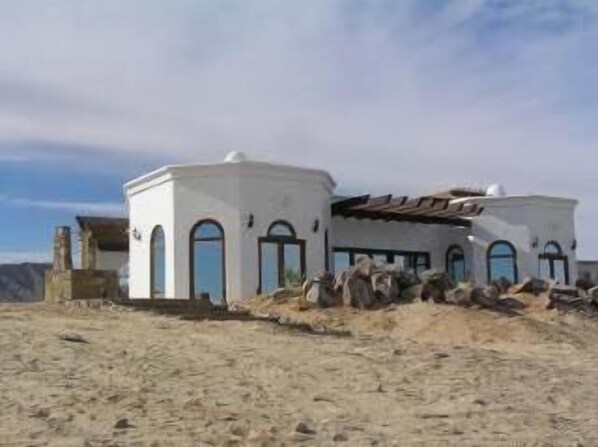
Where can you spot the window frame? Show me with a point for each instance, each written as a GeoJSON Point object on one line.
{"type": "Point", "coordinates": [390, 254]}
{"type": "Point", "coordinates": [552, 258]}
{"type": "Point", "coordinates": [490, 257]}
{"type": "Point", "coordinates": [327, 251]}
{"type": "Point", "coordinates": [192, 241]}
{"type": "Point", "coordinates": [155, 230]}
{"type": "Point", "coordinates": [449, 261]}
{"type": "Point", "coordinates": [280, 241]}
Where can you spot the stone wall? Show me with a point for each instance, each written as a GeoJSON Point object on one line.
{"type": "Point", "coordinates": [69, 285]}
{"type": "Point", "coordinates": [88, 247]}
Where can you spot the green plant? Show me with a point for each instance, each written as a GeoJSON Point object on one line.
{"type": "Point", "coordinates": [292, 277]}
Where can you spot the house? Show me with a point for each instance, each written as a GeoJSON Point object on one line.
{"type": "Point", "coordinates": [103, 242]}
{"type": "Point", "coordinates": [241, 227]}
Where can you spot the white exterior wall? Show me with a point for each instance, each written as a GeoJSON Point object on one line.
{"type": "Point", "coordinates": [408, 236]}
{"type": "Point", "coordinates": [292, 199]}
{"type": "Point", "coordinates": [520, 220]}
{"type": "Point", "coordinates": [111, 260]}
{"type": "Point", "coordinates": [179, 197]}
{"type": "Point", "coordinates": [147, 209]}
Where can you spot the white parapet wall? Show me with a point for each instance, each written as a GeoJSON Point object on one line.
{"type": "Point", "coordinates": [528, 223]}
{"type": "Point", "coordinates": [244, 198]}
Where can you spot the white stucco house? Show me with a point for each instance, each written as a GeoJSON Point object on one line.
{"type": "Point", "coordinates": [241, 227]}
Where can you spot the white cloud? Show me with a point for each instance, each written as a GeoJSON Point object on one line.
{"type": "Point", "coordinates": [100, 208]}
{"type": "Point", "coordinates": [388, 97]}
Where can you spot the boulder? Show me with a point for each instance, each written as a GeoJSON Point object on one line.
{"type": "Point", "coordinates": [484, 296]}
{"type": "Point", "coordinates": [559, 289]}
{"type": "Point", "coordinates": [511, 303]}
{"type": "Point", "coordinates": [431, 292]}
{"type": "Point", "coordinates": [567, 303]}
{"type": "Point", "coordinates": [365, 266]}
{"type": "Point", "coordinates": [340, 281]}
{"type": "Point", "coordinates": [593, 294]}
{"type": "Point", "coordinates": [283, 293]}
{"type": "Point", "coordinates": [492, 291]}
{"type": "Point", "coordinates": [385, 287]}
{"type": "Point", "coordinates": [306, 286]}
{"type": "Point", "coordinates": [502, 284]}
{"type": "Point", "coordinates": [585, 282]}
{"type": "Point", "coordinates": [405, 279]}
{"type": "Point", "coordinates": [460, 296]}
{"type": "Point", "coordinates": [568, 300]}
{"type": "Point", "coordinates": [412, 293]}
{"type": "Point", "coordinates": [358, 291]}
{"type": "Point", "coordinates": [323, 296]}
{"type": "Point", "coordinates": [532, 285]}
{"type": "Point", "coordinates": [438, 278]}
{"type": "Point", "coordinates": [319, 291]}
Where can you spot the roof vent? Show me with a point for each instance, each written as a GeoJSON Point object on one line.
{"type": "Point", "coordinates": [496, 190]}
{"type": "Point", "coordinates": [235, 157]}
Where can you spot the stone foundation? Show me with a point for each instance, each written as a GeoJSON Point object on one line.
{"type": "Point", "coordinates": [69, 285]}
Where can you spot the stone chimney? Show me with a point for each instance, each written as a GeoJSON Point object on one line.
{"type": "Point", "coordinates": [63, 259]}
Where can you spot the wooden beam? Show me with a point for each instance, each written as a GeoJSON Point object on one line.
{"type": "Point", "coordinates": [372, 202]}
{"type": "Point", "coordinates": [348, 203]}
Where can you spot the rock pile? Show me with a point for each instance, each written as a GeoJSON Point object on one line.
{"type": "Point", "coordinates": [368, 285]}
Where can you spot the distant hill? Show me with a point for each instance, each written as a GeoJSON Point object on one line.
{"type": "Point", "coordinates": [22, 282]}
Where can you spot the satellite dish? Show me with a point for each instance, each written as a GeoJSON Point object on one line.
{"type": "Point", "coordinates": [235, 157]}
{"type": "Point", "coordinates": [496, 190]}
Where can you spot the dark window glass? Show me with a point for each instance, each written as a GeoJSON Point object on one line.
{"type": "Point", "coordinates": [207, 261]}
{"type": "Point", "coordinates": [553, 264]}
{"type": "Point", "coordinates": [345, 257]}
{"type": "Point", "coordinates": [158, 264]}
{"type": "Point", "coordinates": [269, 268]}
{"type": "Point", "coordinates": [342, 261]}
{"type": "Point", "coordinates": [327, 252]}
{"type": "Point", "coordinates": [502, 262]}
{"type": "Point", "coordinates": [282, 258]}
{"type": "Point", "coordinates": [455, 264]}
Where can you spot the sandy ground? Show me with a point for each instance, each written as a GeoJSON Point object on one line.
{"type": "Point", "coordinates": [418, 375]}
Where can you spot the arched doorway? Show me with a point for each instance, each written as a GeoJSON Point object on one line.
{"type": "Point", "coordinates": [502, 261]}
{"type": "Point", "coordinates": [157, 263]}
{"type": "Point", "coordinates": [281, 257]}
{"type": "Point", "coordinates": [553, 264]}
{"type": "Point", "coordinates": [207, 261]}
{"type": "Point", "coordinates": [455, 263]}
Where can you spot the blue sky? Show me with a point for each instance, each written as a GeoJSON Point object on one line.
{"type": "Point", "coordinates": [402, 96]}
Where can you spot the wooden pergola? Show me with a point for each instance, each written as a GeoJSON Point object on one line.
{"type": "Point", "coordinates": [426, 210]}
{"type": "Point", "coordinates": [109, 233]}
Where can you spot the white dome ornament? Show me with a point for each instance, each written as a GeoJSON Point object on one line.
{"type": "Point", "coordinates": [496, 190]}
{"type": "Point", "coordinates": [235, 157]}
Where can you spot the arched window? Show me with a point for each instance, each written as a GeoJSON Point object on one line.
{"type": "Point", "coordinates": [455, 263]}
{"type": "Point", "coordinates": [552, 264]}
{"type": "Point", "coordinates": [282, 229]}
{"type": "Point", "coordinates": [326, 251]}
{"type": "Point", "coordinates": [207, 263]}
{"type": "Point", "coordinates": [157, 263]}
{"type": "Point", "coordinates": [281, 258]}
{"type": "Point", "coordinates": [502, 261]}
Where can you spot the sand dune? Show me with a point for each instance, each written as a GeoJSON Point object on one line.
{"type": "Point", "coordinates": [417, 375]}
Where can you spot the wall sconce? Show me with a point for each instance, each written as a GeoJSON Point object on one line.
{"type": "Point", "coordinates": [574, 244]}
{"type": "Point", "coordinates": [535, 242]}
{"type": "Point", "coordinates": [248, 220]}
{"type": "Point", "coordinates": [316, 225]}
{"type": "Point", "coordinates": [135, 233]}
